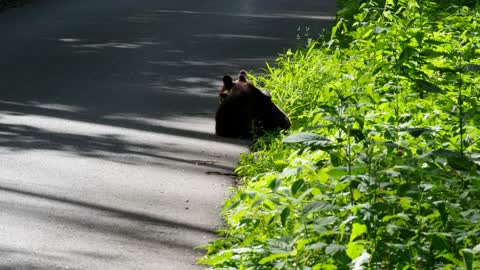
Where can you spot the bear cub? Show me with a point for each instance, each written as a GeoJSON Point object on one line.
{"type": "Point", "coordinates": [245, 110]}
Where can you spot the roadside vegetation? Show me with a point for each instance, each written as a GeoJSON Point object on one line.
{"type": "Point", "coordinates": [380, 169]}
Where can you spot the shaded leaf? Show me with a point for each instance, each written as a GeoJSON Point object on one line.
{"type": "Point", "coordinates": [467, 258]}
{"type": "Point", "coordinates": [428, 86]}
{"type": "Point", "coordinates": [461, 163]}
{"type": "Point", "coordinates": [439, 241]}
{"type": "Point", "coordinates": [333, 249]}
{"type": "Point", "coordinates": [284, 215]}
{"type": "Point", "coordinates": [416, 132]}
{"type": "Point", "coordinates": [314, 206]}
{"type": "Point", "coordinates": [324, 221]}
{"type": "Point", "coordinates": [468, 68]}
{"type": "Point", "coordinates": [451, 258]}
{"type": "Point", "coordinates": [275, 184]}
{"type": "Point", "coordinates": [297, 185]}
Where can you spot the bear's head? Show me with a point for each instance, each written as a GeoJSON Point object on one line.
{"type": "Point", "coordinates": [246, 110]}
{"type": "Point", "coordinates": [228, 84]}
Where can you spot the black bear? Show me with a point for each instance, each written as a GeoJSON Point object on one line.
{"type": "Point", "coordinates": [245, 110]}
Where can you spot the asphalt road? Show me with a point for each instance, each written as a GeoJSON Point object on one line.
{"type": "Point", "coordinates": [108, 158]}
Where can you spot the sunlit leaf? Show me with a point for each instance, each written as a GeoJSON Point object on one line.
{"type": "Point", "coordinates": [218, 258]}
{"type": "Point", "coordinates": [309, 139]}
{"type": "Point", "coordinates": [273, 257]}
{"type": "Point", "coordinates": [354, 249]}
{"type": "Point", "coordinates": [357, 230]}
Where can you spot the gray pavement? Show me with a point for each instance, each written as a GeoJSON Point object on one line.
{"type": "Point", "coordinates": [108, 158]}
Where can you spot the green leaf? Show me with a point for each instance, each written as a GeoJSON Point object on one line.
{"type": "Point", "coordinates": [428, 86]}
{"type": "Point", "coordinates": [467, 258]}
{"type": "Point", "coordinates": [333, 249]}
{"type": "Point", "coordinates": [461, 163]}
{"type": "Point", "coordinates": [450, 257]}
{"type": "Point", "coordinates": [476, 249]}
{"type": "Point", "coordinates": [273, 257]}
{"type": "Point", "coordinates": [256, 202]}
{"type": "Point", "coordinates": [297, 185]}
{"type": "Point", "coordinates": [354, 249]}
{"type": "Point", "coordinates": [231, 206]}
{"type": "Point", "coordinates": [275, 184]}
{"type": "Point", "coordinates": [406, 203]}
{"type": "Point", "coordinates": [416, 132]}
{"type": "Point", "coordinates": [325, 221]}
{"type": "Point", "coordinates": [303, 137]}
{"type": "Point", "coordinates": [378, 29]}
{"type": "Point", "coordinates": [357, 230]}
{"type": "Point", "coordinates": [217, 259]}
{"type": "Point", "coordinates": [319, 246]}
{"type": "Point", "coordinates": [337, 172]}
{"type": "Point", "coordinates": [309, 139]}
{"type": "Point", "coordinates": [456, 160]}
{"type": "Point", "coordinates": [324, 266]}
{"type": "Point", "coordinates": [288, 172]}
{"type": "Point", "coordinates": [314, 206]}
{"type": "Point", "coordinates": [439, 241]}
{"type": "Point", "coordinates": [468, 68]}
{"type": "Point", "coordinates": [269, 204]}
{"type": "Point", "coordinates": [284, 215]}
{"type": "Point", "coordinates": [281, 163]}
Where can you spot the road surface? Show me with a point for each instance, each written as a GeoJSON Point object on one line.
{"type": "Point", "coordinates": [108, 158]}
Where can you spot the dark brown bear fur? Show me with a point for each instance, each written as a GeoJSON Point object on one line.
{"type": "Point", "coordinates": [245, 110]}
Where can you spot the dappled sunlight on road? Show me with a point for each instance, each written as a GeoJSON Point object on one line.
{"type": "Point", "coordinates": [134, 229]}
{"type": "Point", "coordinates": [38, 105]}
{"type": "Point", "coordinates": [124, 145]}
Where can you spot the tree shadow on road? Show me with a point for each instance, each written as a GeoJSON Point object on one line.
{"type": "Point", "coordinates": [108, 146]}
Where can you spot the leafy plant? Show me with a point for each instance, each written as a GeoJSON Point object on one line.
{"type": "Point", "coordinates": [381, 168]}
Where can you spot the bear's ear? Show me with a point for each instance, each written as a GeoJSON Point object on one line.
{"type": "Point", "coordinates": [242, 78]}
{"type": "Point", "coordinates": [227, 82]}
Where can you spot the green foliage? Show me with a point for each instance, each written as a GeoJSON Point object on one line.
{"type": "Point", "coordinates": [381, 169]}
